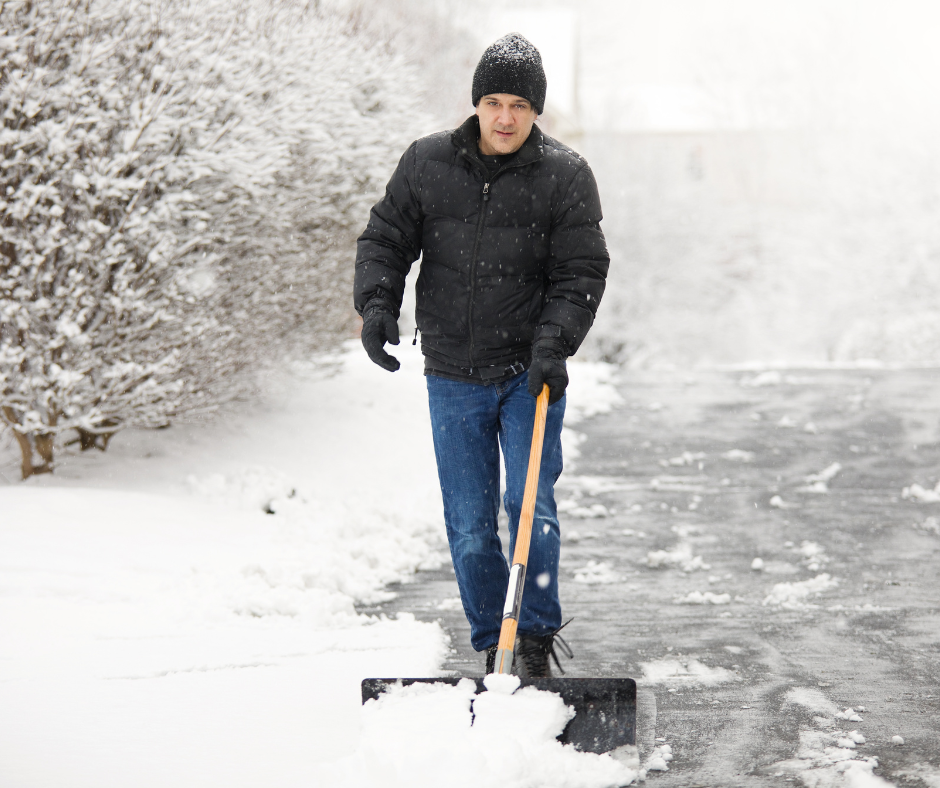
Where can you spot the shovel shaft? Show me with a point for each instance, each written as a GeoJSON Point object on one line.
{"type": "Point", "coordinates": [507, 633]}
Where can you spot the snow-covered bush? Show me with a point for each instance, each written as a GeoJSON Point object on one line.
{"type": "Point", "coordinates": [180, 190]}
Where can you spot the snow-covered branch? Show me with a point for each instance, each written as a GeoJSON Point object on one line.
{"type": "Point", "coordinates": [180, 189]}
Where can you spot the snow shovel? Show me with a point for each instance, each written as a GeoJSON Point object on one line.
{"type": "Point", "coordinates": [605, 709]}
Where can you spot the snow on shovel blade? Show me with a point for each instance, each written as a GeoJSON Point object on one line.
{"type": "Point", "coordinates": [605, 709]}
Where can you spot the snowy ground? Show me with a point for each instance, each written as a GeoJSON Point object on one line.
{"type": "Point", "coordinates": [181, 609]}
{"type": "Point", "coordinates": [742, 545]}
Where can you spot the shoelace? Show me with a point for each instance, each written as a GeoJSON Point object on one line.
{"type": "Point", "coordinates": [562, 644]}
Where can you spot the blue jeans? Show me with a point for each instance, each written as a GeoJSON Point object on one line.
{"type": "Point", "coordinates": [470, 423]}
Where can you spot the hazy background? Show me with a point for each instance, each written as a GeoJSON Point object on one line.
{"type": "Point", "coordinates": [769, 171]}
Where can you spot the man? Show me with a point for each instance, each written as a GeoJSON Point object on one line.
{"type": "Point", "coordinates": [506, 221]}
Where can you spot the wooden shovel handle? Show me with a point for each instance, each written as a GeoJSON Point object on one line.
{"type": "Point", "coordinates": [507, 632]}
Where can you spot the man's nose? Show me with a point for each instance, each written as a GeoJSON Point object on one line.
{"type": "Point", "coordinates": [505, 116]}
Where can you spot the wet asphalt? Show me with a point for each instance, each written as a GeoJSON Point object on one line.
{"type": "Point", "coordinates": [730, 467]}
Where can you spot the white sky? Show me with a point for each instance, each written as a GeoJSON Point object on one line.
{"type": "Point", "coordinates": [687, 64]}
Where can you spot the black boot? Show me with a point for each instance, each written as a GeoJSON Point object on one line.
{"type": "Point", "coordinates": [491, 659]}
{"type": "Point", "coordinates": [533, 652]}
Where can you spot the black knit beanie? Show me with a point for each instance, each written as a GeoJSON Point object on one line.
{"type": "Point", "coordinates": [511, 65]}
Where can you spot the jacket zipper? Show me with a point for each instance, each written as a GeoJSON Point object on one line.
{"type": "Point", "coordinates": [473, 265]}
{"type": "Point", "coordinates": [487, 180]}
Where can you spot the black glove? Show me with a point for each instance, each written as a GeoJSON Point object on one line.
{"type": "Point", "coordinates": [548, 366]}
{"type": "Point", "coordinates": [379, 327]}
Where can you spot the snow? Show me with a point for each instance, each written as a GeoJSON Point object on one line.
{"type": "Point", "coordinates": [592, 390]}
{"type": "Point", "coordinates": [679, 670]}
{"type": "Point", "coordinates": [706, 598]}
{"type": "Point", "coordinates": [793, 596]}
{"type": "Point", "coordinates": [739, 455]}
{"type": "Point", "coordinates": [823, 763]}
{"type": "Point", "coordinates": [917, 493]}
{"type": "Point", "coordinates": [596, 573]}
{"type": "Point", "coordinates": [181, 609]}
{"type": "Point", "coordinates": [508, 737]}
{"type": "Point", "coordinates": [828, 757]}
{"type": "Point", "coordinates": [819, 482]}
{"type": "Point", "coordinates": [679, 556]}
{"type": "Point", "coordinates": [778, 503]}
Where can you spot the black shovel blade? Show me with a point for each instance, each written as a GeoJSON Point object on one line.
{"type": "Point", "coordinates": [605, 709]}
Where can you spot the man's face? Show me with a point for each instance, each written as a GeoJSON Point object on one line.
{"type": "Point", "coordinates": [505, 123]}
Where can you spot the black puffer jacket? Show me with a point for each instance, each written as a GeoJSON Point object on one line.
{"type": "Point", "coordinates": [507, 258]}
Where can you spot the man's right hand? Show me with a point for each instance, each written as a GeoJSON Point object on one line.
{"type": "Point", "coordinates": [379, 327]}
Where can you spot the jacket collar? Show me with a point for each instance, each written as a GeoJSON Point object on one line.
{"type": "Point", "coordinates": [466, 139]}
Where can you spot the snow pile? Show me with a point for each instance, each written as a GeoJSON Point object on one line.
{"type": "Point", "coordinates": [658, 761]}
{"type": "Point", "coordinates": [830, 760]}
{"type": "Point", "coordinates": [849, 714]}
{"type": "Point", "coordinates": [596, 573]}
{"type": "Point", "coordinates": [572, 508]}
{"type": "Point", "coordinates": [438, 734]}
{"type": "Point", "coordinates": [793, 596]}
{"type": "Point", "coordinates": [684, 671]}
{"type": "Point", "coordinates": [180, 610]}
{"type": "Point", "coordinates": [814, 555]}
{"type": "Point", "coordinates": [828, 757]}
{"type": "Point", "coordinates": [706, 598]}
{"type": "Point", "coordinates": [920, 494]}
{"type": "Point", "coordinates": [925, 772]}
{"type": "Point", "coordinates": [680, 556]}
{"type": "Point", "coordinates": [931, 526]}
{"type": "Point", "coordinates": [334, 548]}
{"type": "Point", "coordinates": [592, 390]}
{"type": "Point", "coordinates": [819, 482]}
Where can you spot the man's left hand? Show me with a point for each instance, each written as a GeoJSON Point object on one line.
{"type": "Point", "coordinates": [548, 367]}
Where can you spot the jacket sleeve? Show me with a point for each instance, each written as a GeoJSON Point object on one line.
{"type": "Point", "coordinates": [391, 242]}
{"type": "Point", "coordinates": [577, 266]}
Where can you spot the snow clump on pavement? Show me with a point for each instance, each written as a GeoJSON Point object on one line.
{"type": "Point", "coordinates": [793, 596]}
{"type": "Point", "coordinates": [828, 758]}
{"type": "Point", "coordinates": [814, 556]}
{"type": "Point", "coordinates": [706, 598]}
{"type": "Point", "coordinates": [680, 556]}
{"type": "Point", "coordinates": [931, 526]}
{"type": "Point", "coordinates": [920, 494]}
{"type": "Point", "coordinates": [571, 507]}
{"type": "Point", "coordinates": [682, 670]}
{"type": "Point", "coordinates": [819, 482]}
{"type": "Point", "coordinates": [658, 761]}
{"type": "Point", "coordinates": [596, 573]}
{"type": "Point", "coordinates": [593, 390]}
{"type": "Point", "coordinates": [429, 735]}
